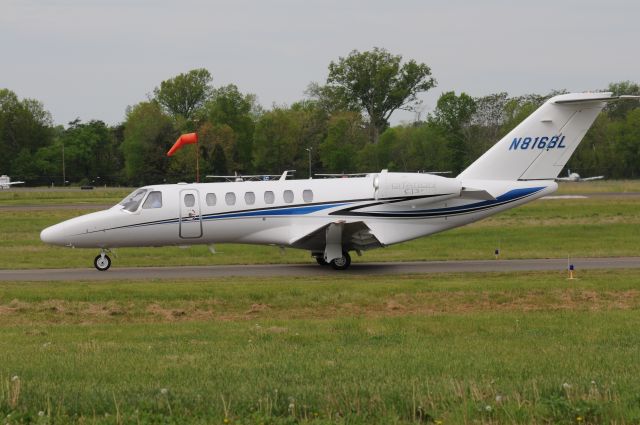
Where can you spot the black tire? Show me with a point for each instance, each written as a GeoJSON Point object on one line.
{"type": "Point", "coordinates": [320, 259]}
{"type": "Point", "coordinates": [341, 263]}
{"type": "Point", "coordinates": [102, 265]}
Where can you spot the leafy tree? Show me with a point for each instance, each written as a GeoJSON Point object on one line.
{"type": "Point", "coordinates": [218, 161]}
{"type": "Point", "coordinates": [331, 99]}
{"type": "Point", "coordinates": [217, 143]}
{"type": "Point", "coordinates": [90, 152]}
{"type": "Point", "coordinates": [346, 136]}
{"type": "Point", "coordinates": [228, 109]}
{"type": "Point", "coordinates": [377, 83]}
{"type": "Point", "coordinates": [619, 110]}
{"type": "Point", "coordinates": [453, 115]}
{"type": "Point", "coordinates": [25, 126]}
{"type": "Point", "coordinates": [628, 141]}
{"type": "Point", "coordinates": [278, 140]}
{"type": "Point", "coordinates": [315, 121]}
{"type": "Point", "coordinates": [182, 96]}
{"type": "Point", "coordinates": [417, 148]}
{"type": "Point", "coordinates": [148, 135]}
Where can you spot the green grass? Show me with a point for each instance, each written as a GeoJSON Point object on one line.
{"type": "Point", "coordinates": [111, 195]}
{"type": "Point", "coordinates": [543, 229]}
{"type": "Point", "coordinates": [473, 348]}
{"type": "Point", "coordinates": [599, 186]}
{"type": "Point", "coordinates": [66, 196]}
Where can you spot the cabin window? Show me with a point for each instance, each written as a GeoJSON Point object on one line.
{"type": "Point", "coordinates": [230, 198]}
{"type": "Point", "coordinates": [250, 198]}
{"type": "Point", "coordinates": [307, 195]}
{"type": "Point", "coordinates": [288, 196]}
{"type": "Point", "coordinates": [211, 199]}
{"type": "Point", "coordinates": [189, 200]}
{"type": "Point", "coordinates": [269, 197]}
{"type": "Point", "coordinates": [154, 200]}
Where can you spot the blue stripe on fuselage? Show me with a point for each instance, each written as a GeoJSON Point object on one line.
{"type": "Point", "coordinates": [274, 212]}
{"type": "Point", "coordinates": [506, 198]}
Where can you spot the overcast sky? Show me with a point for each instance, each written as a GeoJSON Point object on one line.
{"type": "Point", "coordinates": [92, 58]}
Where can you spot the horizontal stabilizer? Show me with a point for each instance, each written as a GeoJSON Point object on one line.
{"type": "Point", "coordinates": [470, 193]}
{"type": "Point", "coordinates": [596, 99]}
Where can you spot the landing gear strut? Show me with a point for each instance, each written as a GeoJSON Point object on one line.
{"type": "Point", "coordinates": [102, 262]}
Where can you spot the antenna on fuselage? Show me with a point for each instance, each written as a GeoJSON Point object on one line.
{"type": "Point", "coordinates": [285, 174]}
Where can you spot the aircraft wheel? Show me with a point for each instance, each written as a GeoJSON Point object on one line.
{"type": "Point", "coordinates": [102, 262]}
{"type": "Point", "coordinates": [320, 259]}
{"type": "Point", "coordinates": [341, 263]}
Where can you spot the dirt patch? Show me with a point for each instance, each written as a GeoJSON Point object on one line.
{"type": "Point", "coordinates": [53, 306]}
{"type": "Point", "coordinates": [421, 303]}
{"type": "Point", "coordinates": [257, 308]}
{"type": "Point", "coordinates": [18, 305]}
{"type": "Point", "coordinates": [108, 309]}
{"type": "Point", "coordinates": [277, 330]}
{"type": "Point", "coordinates": [394, 305]}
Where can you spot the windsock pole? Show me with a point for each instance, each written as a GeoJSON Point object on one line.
{"type": "Point", "coordinates": [197, 163]}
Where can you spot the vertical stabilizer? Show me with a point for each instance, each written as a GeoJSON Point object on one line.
{"type": "Point", "coordinates": [540, 146]}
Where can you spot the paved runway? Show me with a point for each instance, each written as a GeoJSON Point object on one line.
{"type": "Point", "coordinates": [301, 270]}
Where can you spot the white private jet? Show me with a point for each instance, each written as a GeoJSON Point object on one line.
{"type": "Point", "coordinates": [6, 183]}
{"type": "Point", "coordinates": [575, 177]}
{"type": "Point", "coordinates": [331, 217]}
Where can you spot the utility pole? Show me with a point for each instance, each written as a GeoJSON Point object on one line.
{"type": "Point", "coordinates": [309, 149]}
{"type": "Point", "coordinates": [64, 174]}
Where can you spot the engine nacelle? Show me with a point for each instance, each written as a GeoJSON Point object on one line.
{"type": "Point", "coordinates": [399, 185]}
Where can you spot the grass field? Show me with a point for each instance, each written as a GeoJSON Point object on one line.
{"type": "Point", "coordinates": [596, 226]}
{"type": "Point", "coordinates": [66, 196]}
{"type": "Point", "coordinates": [439, 349]}
{"type": "Point", "coordinates": [476, 348]}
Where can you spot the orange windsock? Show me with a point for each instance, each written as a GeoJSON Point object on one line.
{"type": "Point", "coordinates": [185, 139]}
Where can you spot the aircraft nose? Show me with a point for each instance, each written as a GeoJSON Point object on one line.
{"type": "Point", "coordinates": [53, 235]}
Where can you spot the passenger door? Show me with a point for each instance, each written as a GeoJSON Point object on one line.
{"type": "Point", "coordinates": [190, 218]}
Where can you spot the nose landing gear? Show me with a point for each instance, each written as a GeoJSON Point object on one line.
{"type": "Point", "coordinates": [102, 262]}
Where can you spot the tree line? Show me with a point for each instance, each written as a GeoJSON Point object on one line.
{"type": "Point", "coordinates": [341, 126]}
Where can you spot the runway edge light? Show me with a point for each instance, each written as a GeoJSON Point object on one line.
{"type": "Point", "coordinates": [570, 269]}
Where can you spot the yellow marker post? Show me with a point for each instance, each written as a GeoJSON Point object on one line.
{"type": "Point", "coordinates": [570, 269]}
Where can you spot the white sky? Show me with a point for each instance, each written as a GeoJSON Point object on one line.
{"type": "Point", "coordinates": [92, 58]}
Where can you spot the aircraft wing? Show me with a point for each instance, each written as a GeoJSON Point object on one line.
{"type": "Point", "coordinates": [586, 179]}
{"type": "Point", "coordinates": [355, 236]}
{"type": "Point", "coordinates": [564, 179]}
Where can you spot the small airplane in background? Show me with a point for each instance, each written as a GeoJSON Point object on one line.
{"type": "Point", "coordinates": [575, 177]}
{"type": "Point", "coordinates": [6, 183]}
{"type": "Point", "coordinates": [250, 177]}
{"type": "Point", "coordinates": [331, 217]}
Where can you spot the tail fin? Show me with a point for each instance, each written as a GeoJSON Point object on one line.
{"type": "Point", "coordinates": [540, 146]}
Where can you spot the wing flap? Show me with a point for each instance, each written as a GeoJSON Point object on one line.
{"type": "Point", "coordinates": [355, 236]}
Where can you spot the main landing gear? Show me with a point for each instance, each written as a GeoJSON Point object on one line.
{"type": "Point", "coordinates": [341, 263]}
{"type": "Point", "coordinates": [102, 262]}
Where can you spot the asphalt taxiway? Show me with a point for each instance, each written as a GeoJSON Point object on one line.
{"type": "Point", "coordinates": [306, 270]}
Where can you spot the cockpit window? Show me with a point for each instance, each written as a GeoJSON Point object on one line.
{"type": "Point", "coordinates": [154, 200]}
{"type": "Point", "coordinates": [132, 202]}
